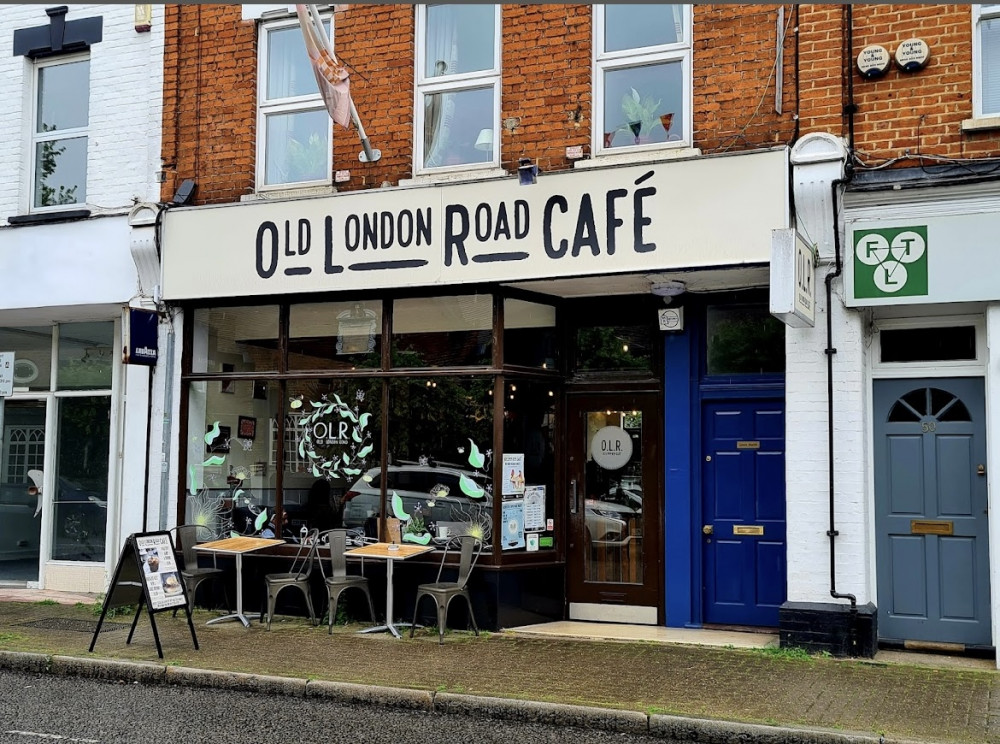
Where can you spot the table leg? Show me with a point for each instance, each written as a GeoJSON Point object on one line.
{"type": "Point", "coordinates": [238, 615]}
{"type": "Point", "coordinates": [389, 625]}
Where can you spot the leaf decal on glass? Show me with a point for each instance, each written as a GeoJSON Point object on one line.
{"type": "Point", "coordinates": [355, 436]}
{"type": "Point", "coordinates": [364, 451]}
{"type": "Point", "coordinates": [234, 533]}
{"type": "Point", "coordinates": [315, 472]}
{"type": "Point", "coordinates": [238, 493]}
{"type": "Point", "coordinates": [364, 419]}
{"type": "Point", "coordinates": [193, 488]}
{"type": "Point", "coordinates": [345, 458]}
{"type": "Point", "coordinates": [352, 471]}
{"type": "Point", "coordinates": [261, 520]}
{"type": "Point", "coordinates": [470, 488]}
{"type": "Point", "coordinates": [476, 458]}
{"type": "Point", "coordinates": [347, 413]}
{"type": "Point", "coordinates": [397, 507]}
{"type": "Point", "coordinates": [328, 409]}
{"type": "Point", "coordinates": [421, 539]}
{"type": "Point", "coordinates": [212, 433]}
{"type": "Point", "coordinates": [214, 460]}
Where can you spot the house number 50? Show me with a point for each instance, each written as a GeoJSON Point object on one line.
{"type": "Point", "coordinates": [928, 426]}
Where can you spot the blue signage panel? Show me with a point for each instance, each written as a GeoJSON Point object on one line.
{"type": "Point", "coordinates": [143, 326]}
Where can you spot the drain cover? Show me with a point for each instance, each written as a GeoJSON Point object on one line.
{"type": "Point", "coordinates": [68, 623]}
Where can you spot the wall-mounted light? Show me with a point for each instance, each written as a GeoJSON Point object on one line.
{"type": "Point", "coordinates": [527, 172]}
{"type": "Point", "coordinates": [669, 288]}
{"type": "Point", "coordinates": [184, 193]}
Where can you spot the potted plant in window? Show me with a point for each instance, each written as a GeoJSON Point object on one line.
{"type": "Point", "coordinates": [641, 113]}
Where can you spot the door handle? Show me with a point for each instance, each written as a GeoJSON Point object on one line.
{"type": "Point", "coordinates": [980, 470]}
{"type": "Point", "coordinates": [707, 529]}
{"type": "Point", "coordinates": [572, 497]}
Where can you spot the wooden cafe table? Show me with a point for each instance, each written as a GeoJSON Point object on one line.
{"type": "Point", "coordinates": [236, 546]}
{"type": "Point", "coordinates": [382, 551]}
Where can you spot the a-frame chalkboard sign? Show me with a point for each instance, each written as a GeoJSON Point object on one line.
{"type": "Point", "coordinates": [147, 575]}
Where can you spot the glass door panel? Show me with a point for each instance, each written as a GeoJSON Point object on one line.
{"type": "Point", "coordinates": [22, 456]}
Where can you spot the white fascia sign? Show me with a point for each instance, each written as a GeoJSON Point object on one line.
{"type": "Point", "coordinates": [793, 279]}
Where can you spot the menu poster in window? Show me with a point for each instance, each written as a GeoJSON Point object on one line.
{"type": "Point", "coordinates": [159, 571]}
{"type": "Point", "coordinates": [513, 474]}
{"type": "Point", "coordinates": [534, 508]}
{"type": "Point", "coordinates": [512, 535]}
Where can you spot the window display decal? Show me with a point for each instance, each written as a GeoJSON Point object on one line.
{"type": "Point", "coordinates": [513, 474]}
{"type": "Point", "coordinates": [513, 525]}
{"type": "Point", "coordinates": [335, 425]}
{"type": "Point", "coordinates": [534, 508]}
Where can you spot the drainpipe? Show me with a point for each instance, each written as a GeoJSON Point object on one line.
{"type": "Point", "coordinates": [850, 109]}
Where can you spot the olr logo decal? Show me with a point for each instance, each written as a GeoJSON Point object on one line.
{"type": "Point", "coordinates": [891, 262]}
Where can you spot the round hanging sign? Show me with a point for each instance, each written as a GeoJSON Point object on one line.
{"type": "Point", "coordinates": [912, 55]}
{"type": "Point", "coordinates": [611, 447]}
{"type": "Point", "coordinates": [873, 61]}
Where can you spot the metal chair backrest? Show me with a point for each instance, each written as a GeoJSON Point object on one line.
{"type": "Point", "coordinates": [302, 566]}
{"type": "Point", "coordinates": [470, 548]}
{"type": "Point", "coordinates": [336, 540]}
{"type": "Point", "coordinates": [187, 536]}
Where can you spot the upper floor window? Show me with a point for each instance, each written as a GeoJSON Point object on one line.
{"type": "Point", "coordinates": [987, 67]}
{"type": "Point", "coordinates": [59, 132]}
{"type": "Point", "coordinates": [457, 86]}
{"type": "Point", "coordinates": [294, 130]}
{"type": "Point", "coordinates": [642, 75]}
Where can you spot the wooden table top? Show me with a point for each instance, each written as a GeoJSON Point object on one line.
{"type": "Point", "coordinates": [238, 544]}
{"type": "Point", "coordinates": [381, 550]}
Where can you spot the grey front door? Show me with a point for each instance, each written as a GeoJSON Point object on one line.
{"type": "Point", "coordinates": [931, 510]}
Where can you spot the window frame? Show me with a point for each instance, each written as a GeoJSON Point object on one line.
{"type": "Point", "coordinates": [456, 83]}
{"type": "Point", "coordinates": [603, 61]}
{"type": "Point", "coordinates": [291, 105]}
{"type": "Point", "coordinates": [36, 137]}
{"type": "Point", "coordinates": [980, 12]}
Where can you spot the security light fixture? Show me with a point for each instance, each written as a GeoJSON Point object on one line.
{"type": "Point", "coordinates": [184, 193]}
{"type": "Point", "coordinates": [527, 172]}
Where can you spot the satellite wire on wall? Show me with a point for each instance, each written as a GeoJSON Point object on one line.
{"type": "Point", "coordinates": [332, 77]}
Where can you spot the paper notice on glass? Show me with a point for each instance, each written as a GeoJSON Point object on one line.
{"type": "Point", "coordinates": [512, 534]}
{"type": "Point", "coordinates": [513, 474]}
{"type": "Point", "coordinates": [534, 508]}
{"type": "Point", "coordinates": [159, 571]}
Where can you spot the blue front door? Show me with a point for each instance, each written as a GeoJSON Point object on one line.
{"type": "Point", "coordinates": [743, 512]}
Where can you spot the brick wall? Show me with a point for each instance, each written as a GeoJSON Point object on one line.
{"type": "Point", "coordinates": [899, 113]}
{"type": "Point", "coordinates": [210, 89]}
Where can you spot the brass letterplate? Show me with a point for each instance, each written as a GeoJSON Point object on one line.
{"type": "Point", "coordinates": [751, 444]}
{"type": "Point", "coordinates": [748, 529]}
{"type": "Point", "coordinates": [931, 527]}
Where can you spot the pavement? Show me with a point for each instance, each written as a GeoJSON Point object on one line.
{"type": "Point", "coordinates": [711, 686]}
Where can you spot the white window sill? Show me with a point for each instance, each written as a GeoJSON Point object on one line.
{"type": "Point", "coordinates": [428, 179]}
{"type": "Point", "coordinates": [289, 193]}
{"type": "Point", "coordinates": [628, 158]}
{"type": "Point", "coordinates": [981, 124]}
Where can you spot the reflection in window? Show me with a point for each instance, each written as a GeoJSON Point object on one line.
{"type": "Point", "coordinates": [441, 430]}
{"type": "Point", "coordinates": [32, 347]}
{"type": "Point", "coordinates": [988, 67]}
{"type": "Point", "coordinates": [529, 334]}
{"type": "Point", "coordinates": [614, 349]}
{"type": "Point", "coordinates": [458, 84]}
{"type": "Point", "coordinates": [335, 335]}
{"type": "Point", "coordinates": [86, 356]}
{"type": "Point", "coordinates": [80, 503]}
{"type": "Point", "coordinates": [244, 338]}
{"type": "Point", "coordinates": [948, 343]}
{"type": "Point", "coordinates": [744, 339]}
{"type": "Point", "coordinates": [443, 331]}
{"type": "Point", "coordinates": [641, 68]}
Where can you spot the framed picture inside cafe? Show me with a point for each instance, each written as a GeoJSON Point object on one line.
{"type": "Point", "coordinates": [246, 428]}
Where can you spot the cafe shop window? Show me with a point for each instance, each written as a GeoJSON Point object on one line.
{"type": "Point", "coordinates": [335, 335]}
{"type": "Point", "coordinates": [529, 335]}
{"type": "Point", "coordinates": [235, 339]}
{"type": "Point", "coordinates": [457, 86]}
{"type": "Point", "coordinates": [986, 56]}
{"type": "Point", "coordinates": [642, 76]}
{"type": "Point", "coordinates": [294, 130]}
{"type": "Point", "coordinates": [442, 331]}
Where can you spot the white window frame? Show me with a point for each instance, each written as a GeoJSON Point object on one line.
{"type": "Point", "coordinates": [453, 83]}
{"type": "Point", "coordinates": [620, 60]}
{"type": "Point", "coordinates": [295, 104]}
{"type": "Point", "coordinates": [35, 137]}
{"type": "Point", "coordinates": [938, 368]}
{"type": "Point", "coordinates": [980, 13]}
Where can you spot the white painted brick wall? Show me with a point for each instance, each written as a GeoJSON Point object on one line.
{"type": "Point", "coordinates": [807, 480]}
{"type": "Point", "coordinates": [126, 105]}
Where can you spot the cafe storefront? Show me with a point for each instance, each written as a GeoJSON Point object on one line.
{"type": "Point", "coordinates": [496, 358]}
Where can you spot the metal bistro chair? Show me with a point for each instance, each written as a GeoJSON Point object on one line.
{"type": "Point", "coordinates": [445, 591]}
{"type": "Point", "coordinates": [298, 576]}
{"type": "Point", "coordinates": [339, 580]}
{"type": "Point", "coordinates": [186, 536]}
